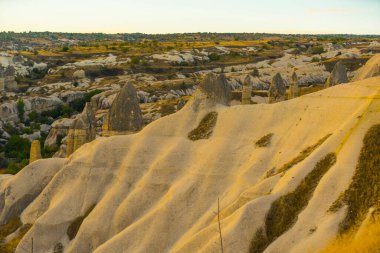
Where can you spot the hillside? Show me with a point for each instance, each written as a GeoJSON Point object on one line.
{"type": "Point", "coordinates": [157, 190]}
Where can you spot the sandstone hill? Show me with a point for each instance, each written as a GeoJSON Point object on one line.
{"type": "Point", "coordinates": [158, 190]}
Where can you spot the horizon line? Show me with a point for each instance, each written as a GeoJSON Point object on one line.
{"type": "Point", "coordinates": [174, 33]}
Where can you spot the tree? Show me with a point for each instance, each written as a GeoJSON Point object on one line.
{"type": "Point", "coordinates": [65, 48]}
{"type": "Point", "coordinates": [17, 147]}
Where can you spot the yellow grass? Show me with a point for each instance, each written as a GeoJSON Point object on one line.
{"type": "Point", "coordinates": [368, 241]}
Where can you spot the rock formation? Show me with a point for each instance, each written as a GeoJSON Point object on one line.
{"type": "Point", "coordinates": [82, 130]}
{"type": "Point", "coordinates": [122, 192]}
{"type": "Point", "coordinates": [105, 129]}
{"type": "Point", "coordinates": [125, 115]}
{"type": "Point", "coordinates": [59, 129]}
{"type": "Point", "coordinates": [247, 91]}
{"type": "Point", "coordinates": [337, 76]}
{"type": "Point", "coordinates": [216, 88]}
{"type": "Point", "coordinates": [277, 89]}
{"type": "Point", "coordinates": [370, 69]}
{"type": "Point", "coordinates": [79, 75]}
{"type": "Point", "coordinates": [7, 79]}
{"type": "Point", "coordinates": [35, 151]}
{"type": "Point", "coordinates": [294, 90]}
{"type": "Point", "coordinates": [181, 104]}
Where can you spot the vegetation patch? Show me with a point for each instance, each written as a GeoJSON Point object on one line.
{"type": "Point", "coordinates": [302, 155]}
{"type": "Point", "coordinates": [364, 191]}
{"type": "Point", "coordinates": [167, 109]}
{"type": "Point", "coordinates": [367, 241]}
{"type": "Point", "coordinates": [10, 228]}
{"type": "Point", "coordinates": [205, 127]}
{"type": "Point", "coordinates": [264, 141]}
{"type": "Point", "coordinates": [73, 228]}
{"type": "Point", "coordinates": [284, 211]}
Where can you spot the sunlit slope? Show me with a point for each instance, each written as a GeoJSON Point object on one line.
{"type": "Point", "coordinates": [157, 191]}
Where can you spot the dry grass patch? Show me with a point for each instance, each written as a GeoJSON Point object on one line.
{"type": "Point", "coordinates": [368, 241]}
{"type": "Point", "coordinates": [264, 141]}
{"type": "Point", "coordinates": [284, 211]}
{"type": "Point", "coordinates": [364, 190]}
{"type": "Point", "coordinates": [302, 155]}
{"type": "Point", "coordinates": [205, 127]}
{"type": "Point", "coordinates": [9, 228]}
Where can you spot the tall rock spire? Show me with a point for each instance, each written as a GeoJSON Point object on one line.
{"type": "Point", "coordinates": [247, 91]}
{"type": "Point", "coordinates": [294, 90]}
{"type": "Point", "coordinates": [277, 89]}
{"type": "Point", "coordinates": [82, 130]}
{"type": "Point", "coordinates": [35, 151]}
{"type": "Point", "coordinates": [216, 88]}
{"type": "Point", "coordinates": [337, 76]}
{"type": "Point", "coordinates": [125, 113]}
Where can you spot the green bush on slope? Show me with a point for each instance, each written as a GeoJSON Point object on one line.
{"type": "Point", "coordinates": [284, 211]}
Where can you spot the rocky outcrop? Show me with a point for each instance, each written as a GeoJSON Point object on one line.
{"type": "Point", "coordinates": [370, 69]}
{"type": "Point", "coordinates": [103, 100]}
{"type": "Point", "coordinates": [247, 91]}
{"type": "Point", "coordinates": [32, 180]}
{"type": "Point", "coordinates": [9, 112]}
{"type": "Point", "coordinates": [277, 89]}
{"type": "Point", "coordinates": [7, 78]}
{"type": "Point", "coordinates": [82, 131]}
{"type": "Point", "coordinates": [294, 89]}
{"type": "Point", "coordinates": [125, 114]}
{"type": "Point", "coordinates": [79, 75]}
{"type": "Point", "coordinates": [70, 95]}
{"type": "Point", "coordinates": [181, 104]}
{"type": "Point", "coordinates": [338, 75]}
{"type": "Point", "coordinates": [216, 88]}
{"type": "Point", "coordinates": [59, 129]}
{"type": "Point", "coordinates": [35, 151]}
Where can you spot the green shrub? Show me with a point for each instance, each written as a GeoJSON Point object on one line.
{"type": "Point", "coordinates": [315, 59]}
{"type": "Point", "coordinates": [13, 168]}
{"type": "Point", "coordinates": [135, 60]}
{"type": "Point", "coordinates": [317, 50]}
{"type": "Point", "coordinates": [214, 57]}
{"type": "Point", "coordinates": [33, 116]}
{"type": "Point", "coordinates": [89, 95]}
{"type": "Point", "coordinates": [76, 105]}
{"type": "Point", "coordinates": [264, 141]}
{"type": "Point", "coordinates": [364, 191]}
{"type": "Point", "coordinates": [21, 109]}
{"type": "Point", "coordinates": [17, 147]}
{"type": "Point", "coordinates": [167, 109]}
{"type": "Point", "coordinates": [284, 211]}
{"type": "Point", "coordinates": [65, 49]}
{"type": "Point", "coordinates": [205, 127]}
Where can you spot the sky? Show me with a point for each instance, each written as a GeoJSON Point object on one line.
{"type": "Point", "coordinates": [179, 16]}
